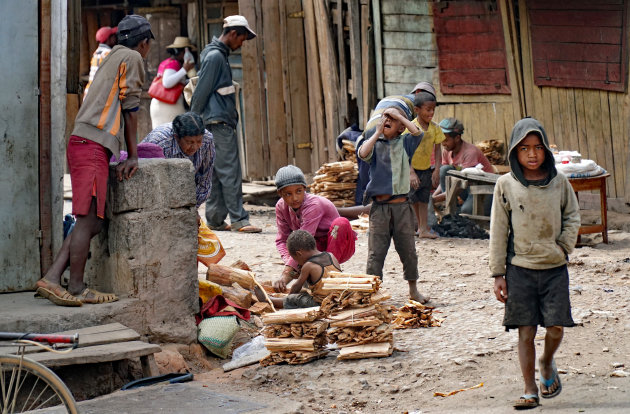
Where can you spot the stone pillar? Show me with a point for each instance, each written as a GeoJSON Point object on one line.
{"type": "Point", "coordinates": [148, 249]}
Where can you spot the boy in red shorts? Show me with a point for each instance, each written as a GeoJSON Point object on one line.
{"type": "Point", "coordinates": [108, 113]}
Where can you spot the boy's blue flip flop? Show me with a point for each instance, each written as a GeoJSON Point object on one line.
{"type": "Point", "coordinates": [549, 382]}
{"type": "Point", "coordinates": [526, 402]}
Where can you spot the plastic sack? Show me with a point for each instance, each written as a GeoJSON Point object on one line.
{"type": "Point", "coordinates": [216, 334]}
{"type": "Point", "coordinates": [208, 290]}
{"type": "Point", "coordinates": [210, 250]}
{"type": "Point", "coordinates": [255, 345]}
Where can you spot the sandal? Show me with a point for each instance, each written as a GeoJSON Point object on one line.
{"type": "Point", "coordinates": [97, 297]}
{"type": "Point", "coordinates": [223, 227]}
{"type": "Point", "coordinates": [56, 294]}
{"type": "Point", "coordinates": [549, 382]}
{"type": "Point", "coordinates": [527, 401]}
{"type": "Point", "coordinates": [248, 229]}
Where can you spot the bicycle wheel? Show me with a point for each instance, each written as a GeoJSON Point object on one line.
{"type": "Point", "coordinates": [26, 385]}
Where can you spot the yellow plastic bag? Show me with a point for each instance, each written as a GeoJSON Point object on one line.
{"type": "Point", "coordinates": [210, 250]}
{"type": "Point", "coordinates": [208, 290]}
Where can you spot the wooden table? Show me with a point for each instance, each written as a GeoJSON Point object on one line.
{"type": "Point", "coordinates": [588, 184]}
{"type": "Point", "coordinates": [479, 187]}
{"type": "Point", "coordinates": [482, 185]}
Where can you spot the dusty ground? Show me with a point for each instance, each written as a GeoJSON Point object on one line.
{"type": "Point", "coordinates": [471, 346]}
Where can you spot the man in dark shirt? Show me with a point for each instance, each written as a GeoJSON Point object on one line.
{"type": "Point", "coordinates": [215, 100]}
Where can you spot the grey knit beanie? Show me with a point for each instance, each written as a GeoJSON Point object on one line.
{"type": "Point", "coordinates": [289, 175]}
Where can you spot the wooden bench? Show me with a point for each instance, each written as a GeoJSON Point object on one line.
{"type": "Point", "coordinates": [97, 344]}
{"type": "Point", "coordinates": [479, 187]}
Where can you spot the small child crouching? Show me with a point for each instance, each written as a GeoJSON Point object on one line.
{"type": "Point", "coordinates": [534, 225]}
{"type": "Point", "coordinates": [391, 216]}
{"type": "Point", "coordinates": [315, 266]}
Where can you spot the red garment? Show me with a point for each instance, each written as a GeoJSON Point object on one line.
{"type": "Point", "coordinates": [169, 63]}
{"type": "Point", "coordinates": [89, 173]}
{"type": "Point", "coordinates": [468, 156]}
{"type": "Point", "coordinates": [215, 306]}
{"type": "Point", "coordinates": [341, 239]}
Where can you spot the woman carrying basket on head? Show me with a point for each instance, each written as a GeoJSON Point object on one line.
{"type": "Point", "coordinates": [166, 89]}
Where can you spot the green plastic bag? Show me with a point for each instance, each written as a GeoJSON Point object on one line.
{"type": "Point", "coordinates": [216, 334]}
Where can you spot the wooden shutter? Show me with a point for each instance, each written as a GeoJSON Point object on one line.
{"type": "Point", "coordinates": [471, 47]}
{"type": "Point", "coordinates": [579, 43]}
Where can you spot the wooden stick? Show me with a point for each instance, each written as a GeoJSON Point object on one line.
{"type": "Point", "coordinates": [291, 315]}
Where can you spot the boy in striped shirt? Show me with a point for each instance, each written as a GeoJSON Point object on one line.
{"type": "Point", "coordinates": [391, 216]}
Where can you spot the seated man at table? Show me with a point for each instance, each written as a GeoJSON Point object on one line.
{"type": "Point", "coordinates": [186, 137]}
{"type": "Point", "coordinates": [458, 154]}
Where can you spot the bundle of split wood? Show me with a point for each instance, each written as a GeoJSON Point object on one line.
{"type": "Point", "coordinates": [493, 150]}
{"type": "Point", "coordinates": [357, 315]}
{"type": "Point", "coordinates": [337, 181]}
{"type": "Point", "coordinates": [415, 315]}
{"type": "Point", "coordinates": [237, 284]}
{"type": "Point", "coordinates": [294, 336]}
{"type": "Point", "coordinates": [349, 151]}
{"type": "Point", "coordinates": [361, 224]}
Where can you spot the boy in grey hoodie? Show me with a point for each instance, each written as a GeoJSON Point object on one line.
{"type": "Point", "coordinates": [534, 226]}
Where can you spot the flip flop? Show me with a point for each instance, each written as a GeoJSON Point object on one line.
{"type": "Point", "coordinates": [59, 296]}
{"type": "Point", "coordinates": [97, 297]}
{"type": "Point", "coordinates": [248, 229]}
{"type": "Point", "coordinates": [549, 382]}
{"type": "Point", "coordinates": [223, 227]}
{"type": "Point", "coordinates": [527, 401]}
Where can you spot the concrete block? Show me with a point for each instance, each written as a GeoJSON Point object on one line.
{"type": "Point", "coordinates": [148, 250]}
{"type": "Point", "coordinates": [158, 183]}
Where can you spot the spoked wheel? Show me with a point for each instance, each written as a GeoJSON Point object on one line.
{"type": "Point", "coordinates": [26, 385]}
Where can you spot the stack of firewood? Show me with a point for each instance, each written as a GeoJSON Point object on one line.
{"type": "Point", "coordinates": [337, 181]}
{"type": "Point", "coordinates": [294, 336]}
{"type": "Point", "coordinates": [349, 151]}
{"type": "Point", "coordinates": [493, 150]}
{"type": "Point", "coordinates": [359, 321]}
{"type": "Point", "coordinates": [237, 284]}
{"type": "Point", "coordinates": [415, 315]}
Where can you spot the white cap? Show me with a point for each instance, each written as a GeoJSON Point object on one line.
{"type": "Point", "coordinates": [237, 20]}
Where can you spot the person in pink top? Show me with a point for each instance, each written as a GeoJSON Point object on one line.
{"type": "Point", "coordinates": [174, 71]}
{"type": "Point", "coordinates": [299, 210]}
{"type": "Point", "coordinates": [458, 154]}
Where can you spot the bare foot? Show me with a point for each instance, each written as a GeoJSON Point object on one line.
{"type": "Point", "coordinates": [415, 295]}
{"type": "Point", "coordinates": [427, 235]}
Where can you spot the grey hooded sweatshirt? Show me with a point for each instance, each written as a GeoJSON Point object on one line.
{"type": "Point", "coordinates": [533, 224]}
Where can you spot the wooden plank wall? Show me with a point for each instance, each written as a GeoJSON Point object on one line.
{"type": "Point", "coordinates": [481, 121]}
{"type": "Point", "coordinates": [593, 122]}
{"type": "Point", "coordinates": [408, 44]}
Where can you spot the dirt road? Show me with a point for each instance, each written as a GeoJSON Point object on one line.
{"type": "Point", "coordinates": [471, 346]}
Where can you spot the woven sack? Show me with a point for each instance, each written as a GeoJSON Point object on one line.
{"type": "Point", "coordinates": [216, 334]}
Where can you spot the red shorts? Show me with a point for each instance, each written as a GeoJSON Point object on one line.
{"type": "Point", "coordinates": [89, 172]}
{"type": "Point", "coordinates": [341, 239]}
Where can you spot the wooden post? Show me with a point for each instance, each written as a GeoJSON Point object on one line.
{"type": "Point", "coordinates": [255, 116]}
{"type": "Point", "coordinates": [355, 59]}
{"type": "Point", "coordinates": [378, 47]}
{"type": "Point", "coordinates": [330, 78]}
{"type": "Point", "coordinates": [45, 184]}
{"type": "Point", "coordinates": [343, 77]}
{"type": "Point", "coordinates": [74, 46]}
{"type": "Point", "coordinates": [316, 104]}
{"type": "Point", "coordinates": [300, 141]}
{"type": "Point", "coordinates": [365, 55]}
{"type": "Point", "coordinates": [277, 112]}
